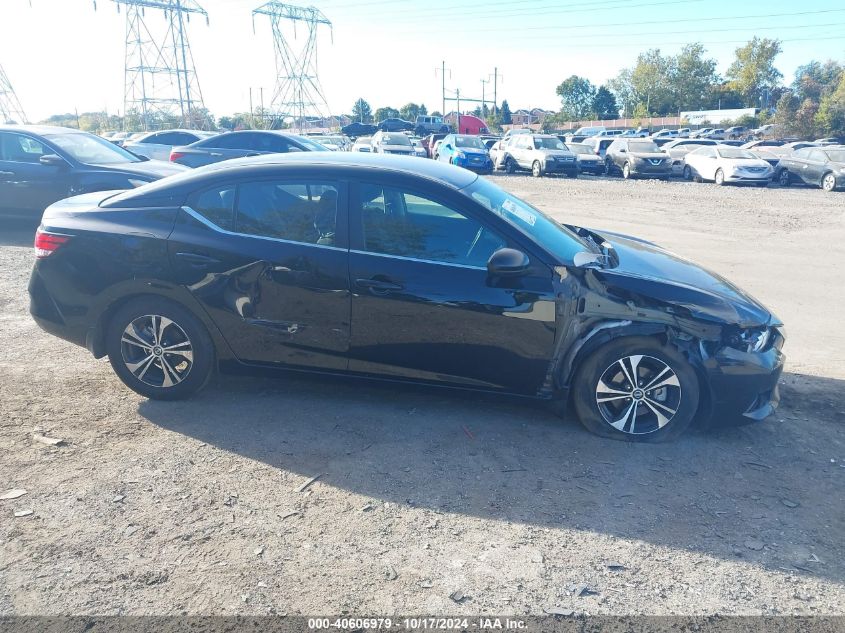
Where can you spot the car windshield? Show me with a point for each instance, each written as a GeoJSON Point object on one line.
{"type": "Point", "coordinates": [554, 237]}
{"type": "Point", "coordinates": [642, 146]}
{"type": "Point", "coordinates": [90, 149]}
{"type": "Point", "coordinates": [735, 153]}
{"type": "Point", "coordinates": [548, 142]}
{"type": "Point", "coordinates": [577, 148]}
{"type": "Point", "coordinates": [469, 141]}
{"type": "Point", "coordinates": [837, 156]}
{"type": "Point", "coordinates": [395, 139]}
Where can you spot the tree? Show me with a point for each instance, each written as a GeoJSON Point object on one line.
{"type": "Point", "coordinates": [694, 79]}
{"type": "Point", "coordinates": [604, 104]}
{"type": "Point", "coordinates": [815, 80]}
{"type": "Point", "coordinates": [386, 113]}
{"type": "Point", "coordinates": [785, 112]}
{"type": "Point", "coordinates": [410, 111]}
{"type": "Point", "coordinates": [831, 115]}
{"type": "Point", "coordinates": [622, 88]}
{"type": "Point", "coordinates": [576, 96]}
{"type": "Point", "coordinates": [362, 112]}
{"type": "Point", "coordinates": [651, 80]}
{"type": "Point", "coordinates": [505, 113]}
{"type": "Point", "coordinates": [754, 69]}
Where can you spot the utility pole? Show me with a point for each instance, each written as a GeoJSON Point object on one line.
{"type": "Point", "coordinates": [458, 97]}
{"type": "Point", "coordinates": [484, 83]}
{"type": "Point", "coordinates": [496, 76]}
{"type": "Point", "coordinates": [442, 70]}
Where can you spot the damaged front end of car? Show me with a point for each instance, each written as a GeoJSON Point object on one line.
{"type": "Point", "coordinates": [733, 343]}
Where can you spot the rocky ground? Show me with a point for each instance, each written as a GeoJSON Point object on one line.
{"type": "Point", "coordinates": [315, 496]}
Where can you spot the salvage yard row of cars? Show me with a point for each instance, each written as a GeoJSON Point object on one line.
{"type": "Point", "coordinates": [356, 263]}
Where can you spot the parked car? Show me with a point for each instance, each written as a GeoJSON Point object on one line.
{"type": "Point", "coordinates": [664, 133]}
{"type": "Point", "coordinates": [609, 133]}
{"type": "Point", "coordinates": [683, 132]}
{"type": "Point", "coordinates": [830, 140]}
{"type": "Point", "coordinates": [588, 131]}
{"type": "Point", "coordinates": [395, 125]}
{"type": "Point", "coordinates": [679, 148]}
{"type": "Point", "coordinates": [640, 132]}
{"type": "Point", "coordinates": [737, 133]}
{"type": "Point", "coordinates": [635, 158]}
{"type": "Point", "coordinates": [441, 278]}
{"type": "Point", "coordinates": [764, 131]}
{"type": "Point", "coordinates": [332, 142]}
{"type": "Point", "coordinates": [392, 143]}
{"type": "Point", "coordinates": [767, 156]}
{"type": "Point", "coordinates": [726, 165]}
{"type": "Point", "coordinates": [588, 162]}
{"type": "Point", "coordinates": [356, 129]}
{"type": "Point", "coordinates": [465, 151]}
{"type": "Point", "coordinates": [41, 164]}
{"type": "Point", "coordinates": [429, 141]}
{"type": "Point", "coordinates": [715, 134]}
{"type": "Point", "coordinates": [426, 124]}
{"type": "Point", "coordinates": [763, 143]}
{"type": "Point", "coordinates": [158, 145]}
{"type": "Point", "coordinates": [787, 148]}
{"type": "Point", "coordinates": [818, 166]}
{"type": "Point", "coordinates": [240, 144]}
{"type": "Point", "coordinates": [598, 144]}
{"type": "Point", "coordinates": [700, 132]}
{"type": "Point", "coordinates": [541, 154]}
{"type": "Point", "coordinates": [362, 144]}
{"type": "Point", "coordinates": [419, 150]}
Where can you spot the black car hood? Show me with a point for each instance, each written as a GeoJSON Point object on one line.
{"type": "Point", "coordinates": [148, 168]}
{"type": "Point", "coordinates": [647, 270]}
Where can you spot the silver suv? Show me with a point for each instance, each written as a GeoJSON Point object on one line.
{"type": "Point", "coordinates": [425, 125]}
{"type": "Point", "coordinates": [539, 153]}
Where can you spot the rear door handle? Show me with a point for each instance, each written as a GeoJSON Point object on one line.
{"type": "Point", "coordinates": [215, 154]}
{"type": "Point", "coordinates": [379, 285]}
{"type": "Point", "coordinates": [196, 260]}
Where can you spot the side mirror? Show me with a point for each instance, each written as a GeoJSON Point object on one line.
{"type": "Point", "coordinates": [508, 262]}
{"type": "Point", "coordinates": [622, 150]}
{"type": "Point", "coordinates": [52, 160]}
{"type": "Point", "coordinates": [448, 146]}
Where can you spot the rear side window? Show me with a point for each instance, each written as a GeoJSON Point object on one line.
{"type": "Point", "coordinates": [303, 212]}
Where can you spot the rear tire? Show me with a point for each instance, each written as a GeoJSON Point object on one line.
{"type": "Point", "coordinates": [784, 178]}
{"type": "Point", "coordinates": [608, 404]}
{"type": "Point", "coordinates": [159, 349]}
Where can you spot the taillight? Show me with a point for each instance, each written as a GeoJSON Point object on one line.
{"type": "Point", "coordinates": [48, 243]}
{"type": "Point", "coordinates": [174, 156]}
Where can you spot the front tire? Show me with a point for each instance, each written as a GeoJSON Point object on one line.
{"type": "Point", "coordinates": [635, 389]}
{"type": "Point", "coordinates": [829, 182]}
{"type": "Point", "coordinates": [687, 172]}
{"type": "Point", "coordinates": [720, 177]}
{"type": "Point", "coordinates": [784, 178]}
{"type": "Point", "coordinates": [626, 171]}
{"type": "Point", "coordinates": [510, 165]}
{"type": "Point", "coordinates": [536, 169]}
{"type": "Point", "coordinates": [159, 349]}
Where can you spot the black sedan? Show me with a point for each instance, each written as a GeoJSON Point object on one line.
{"type": "Point", "coordinates": [241, 144]}
{"type": "Point", "coordinates": [819, 166]}
{"type": "Point", "coordinates": [356, 129]}
{"type": "Point", "coordinates": [391, 267]}
{"type": "Point", "coordinates": [41, 164]}
{"type": "Point", "coordinates": [395, 125]}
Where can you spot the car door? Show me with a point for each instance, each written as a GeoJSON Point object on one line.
{"type": "Point", "coordinates": [26, 184]}
{"type": "Point", "coordinates": [798, 164]}
{"type": "Point", "coordinates": [268, 259]}
{"type": "Point", "coordinates": [816, 163]}
{"type": "Point", "coordinates": [423, 304]}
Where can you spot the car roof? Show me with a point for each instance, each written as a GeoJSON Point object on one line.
{"type": "Point", "coordinates": [44, 130]}
{"type": "Point", "coordinates": [450, 175]}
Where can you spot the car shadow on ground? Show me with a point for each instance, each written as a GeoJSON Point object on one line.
{"type": "Point", "coordinates": [767, 493]}
{"type": "Point", "coordinates": [14, 232]}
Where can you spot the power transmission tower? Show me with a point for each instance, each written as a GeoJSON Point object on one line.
{"type": "Point", "coordinates": [11, 110]}
{"type": "Point", "coordinates": [298, 94]}
{"type": "Point", "coordinates": [160, 79]}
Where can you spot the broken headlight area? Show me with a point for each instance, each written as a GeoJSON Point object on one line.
{"type": "Point", "coordinates": [750, 340]}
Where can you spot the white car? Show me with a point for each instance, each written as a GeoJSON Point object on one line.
{"type": "Point", "coordinates": [362, 144]}
{"type": "Point", "coordinates": [724, 164]}
{"type": "Point", "coordinates": [418, 148]}
{"type": "Point", "coordinates": [157, 145]}
{"type": "Point", "coordinates": [392, 143]}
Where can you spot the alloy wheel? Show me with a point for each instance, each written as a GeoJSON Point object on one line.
{"type": "Point", "coordinates": [829, 182]}
{"type": "Point", "coordinates": [638, 394]}
{"type": "Point", "coordinates": [157, 351]}
{"type": "Point", "coordinates": [720, 177]}
{"type": "Point", "coordinates": [783, 178]}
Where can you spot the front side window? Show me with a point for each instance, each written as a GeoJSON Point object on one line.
{"type": "Point", "coordinates": [406, 224]}
{"type": "Point", "coordinates": [303, 212]}
{"type": "Point", "coordinates": [20, 149]}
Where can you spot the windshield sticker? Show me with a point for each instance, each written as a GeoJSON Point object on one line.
{"type": "Point", "coordinates": [526, 216]}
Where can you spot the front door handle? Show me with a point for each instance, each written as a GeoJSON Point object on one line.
{"type": "Point", "coordinates": [215, 154]}
{"type": "Point", "coordinates": [196, 260]}
{"type": "Point", "coordinates": [7, 173]}
{"type": "Point", "coordinates": [379, 285]}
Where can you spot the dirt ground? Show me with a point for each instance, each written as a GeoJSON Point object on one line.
{"type": "Point", "coordinates": [202, 507]}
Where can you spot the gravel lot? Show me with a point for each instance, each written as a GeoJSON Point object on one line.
{"type": "Point", "coordinates": [202, 507]}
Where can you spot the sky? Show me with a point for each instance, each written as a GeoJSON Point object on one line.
{"type": "Point", "coordinates": [62, 55]}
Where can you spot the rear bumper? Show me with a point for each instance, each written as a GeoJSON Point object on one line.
{"type": "Point", "coordinates": [48, 316]}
